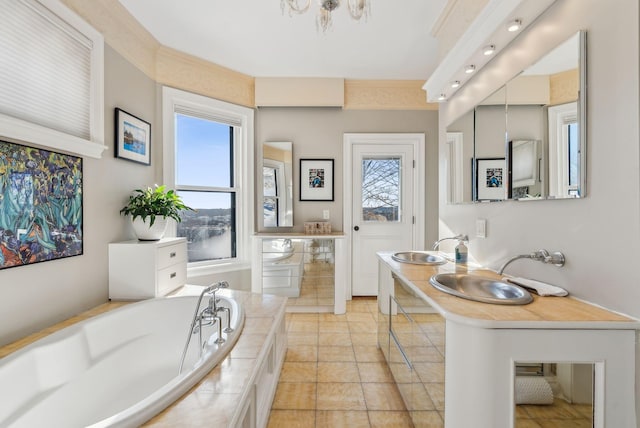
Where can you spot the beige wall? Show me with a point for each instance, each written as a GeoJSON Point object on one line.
{"type": "Point", "coordinates": [318, 133]}
{"type": "Point", "coordinates": [36, 296]}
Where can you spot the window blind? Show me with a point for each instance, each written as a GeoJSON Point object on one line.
{"type": "Point", "coordinates": [45, 69]}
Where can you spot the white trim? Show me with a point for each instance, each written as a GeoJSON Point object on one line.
{"type": "Point", "coordinates": [42, 136]}
{"type": "Point", "coordinates": [559, 116]}
{"type": "Point", "coordinates": [455, 187]}
{"type": "Point", "coordinates": [173, 99]}
{"type": "Point", "coordinates": [418, 142]}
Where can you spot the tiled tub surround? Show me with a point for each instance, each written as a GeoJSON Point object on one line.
{"type": "Point", "coordinates": [239, 390]}
{"type": "Point", "coordinates": [482, 342]}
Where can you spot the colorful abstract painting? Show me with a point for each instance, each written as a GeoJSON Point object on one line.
{"type": "Point", "coordinates": [40, 205]}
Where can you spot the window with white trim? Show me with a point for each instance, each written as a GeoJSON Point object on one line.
{"type": "Point", "coordinates": [51, 77]}
{"type": "Point", "coordinates": [207, 160]}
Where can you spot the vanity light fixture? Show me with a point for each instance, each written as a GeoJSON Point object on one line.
{"type": "Point", "coordinates": [470, 69]}
{"type": "Point", "coordinates": [455, 84]}
{"type": "Point", "coordinates": [514, 25]}
{"type": "Point", "coordinates": [489, 50]}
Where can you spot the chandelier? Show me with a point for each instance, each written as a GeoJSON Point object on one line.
{"type": "Point", "coordinates": [357, 9]}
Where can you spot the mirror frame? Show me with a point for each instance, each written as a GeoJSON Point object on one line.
{"type": "Point", "coordinates": [287, 186]}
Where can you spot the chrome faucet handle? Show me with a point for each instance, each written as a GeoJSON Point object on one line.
{"type": "Point", "coordinates": [223, 284]}
{"type": "Point", "coordinates": [556, 258]}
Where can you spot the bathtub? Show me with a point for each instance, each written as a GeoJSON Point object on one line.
{"type": "Point", "coordinates": [117, 369]}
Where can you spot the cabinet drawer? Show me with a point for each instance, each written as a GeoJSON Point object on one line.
{"type": "Point", "coordinates": [171, 278]}
{"type": "Point", "coordinates": [171, 254]}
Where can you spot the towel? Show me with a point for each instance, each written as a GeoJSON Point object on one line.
{"type": "Point", "coordinates": [540, 288]}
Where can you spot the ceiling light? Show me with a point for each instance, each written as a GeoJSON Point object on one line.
{"type": "Point", "coordinates": [489, 50]}
{"type": "Point", "coordinates": [357, 9]}
{"type": "Point", "coordinates": [470, 69]}
{"type": "Point", "coordinates": [442, 97]}
{"type": "Point", "coordinates": [455, 84]}
{"type": "Point", "coordinates": [514, 25]}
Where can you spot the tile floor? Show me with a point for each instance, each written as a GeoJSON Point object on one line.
{"type": "Point", "coordinates": [334, 375]}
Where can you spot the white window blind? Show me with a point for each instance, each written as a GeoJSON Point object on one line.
{"type": "Point", "coordinates": [51, 77]}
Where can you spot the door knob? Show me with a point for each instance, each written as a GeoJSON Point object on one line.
{"type": "Point", "coordinates": [356, 228]}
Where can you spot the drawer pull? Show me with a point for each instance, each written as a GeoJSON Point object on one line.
{"type": "Point", "coordinates": [172, 254]}
{"type": "Point", "coordinates": [173, 275]}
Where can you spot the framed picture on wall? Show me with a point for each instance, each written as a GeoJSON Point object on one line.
{"type": "Point", "coordinates": [490, 179]}
{"type": "Point", "coordinates": [316, 179]}
{"type": "Point", "coordinates": [132, 138]}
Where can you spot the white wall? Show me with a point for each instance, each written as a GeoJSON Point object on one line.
{"type": "Point", "coordinates": [600, 234]}
{"type": "Point", "coordinates": [35, 296]}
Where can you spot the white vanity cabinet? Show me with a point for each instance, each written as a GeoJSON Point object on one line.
{"type": "Point", "coordinates": [281, 260]}
{"type": "Point", "coordinates": [484, 344]}
{"type": "Point", "coordinates": [146, 269]}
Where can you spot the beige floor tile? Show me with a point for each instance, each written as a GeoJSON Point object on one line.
{"type": "Point", "coordinates": [429, 419]}
{"type": "Point", "coordinates": [368, 354]}
{"type": "Point", "coordinates": [332, 318]}
{"type": "Point", "coordinates": [426, 354]}
{"type": "Point", "coordinates": [357, 327]}
{"type": "Point", "coordinates": [360, 317]}
{"type": "Point", "coordinates": [294, 339]}
{"type": "Point", "coordinates": [436, 393]}
{"type": "Point", "coordinates": [295, 396]}
{"type": "Point", "coordinates": [292, 419]}
{"type": "Point", "coordinates": [370, 339]}
{"type": "Point", "coordinates": [341, 418]}
{"type": "Point", "coordinates": [334, 339]}
{"type": "Point", "coordinates": [304, 317]}
{"type": "Point", "coordinates": [293, 371]}
{"type": "Point", "coordinates": [340, 396]}
{"type": "Point", "coordinates": [382, 396]}
{"type": "Point", "coordinates": [303, 326]}
{"type": "Point", "coordinates": [386, 419]}
{"type": "Point", "coordinates": [430, 372]}
{"type": "Point", "coordinates": [333, 327]}
{"type": "Point", "coordinates": [338, 372]}
{"type": "Point", "coordinates": [302, 353]}
{"type": "Point", "coordinates": [374, 372]}
{"type": "Point", "coordinates": [336, 353]}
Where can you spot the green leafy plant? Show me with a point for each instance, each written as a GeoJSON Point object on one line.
{"type": "Point", "coordinates": [154, 202]}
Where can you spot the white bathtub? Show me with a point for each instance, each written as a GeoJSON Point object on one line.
{"type": "Point", "coordinates": [117, 369]}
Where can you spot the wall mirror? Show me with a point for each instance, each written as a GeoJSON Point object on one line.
{"type": "Point", "coordinates": [277, 184]}
{"type": "Point", "coordinates": [526, 141]}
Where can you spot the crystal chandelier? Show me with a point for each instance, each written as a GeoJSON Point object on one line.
{"type": "Point", "coordinates": [357, 9]}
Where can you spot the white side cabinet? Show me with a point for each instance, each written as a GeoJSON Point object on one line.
{"type": "Point", "coordinates": [146, 269]}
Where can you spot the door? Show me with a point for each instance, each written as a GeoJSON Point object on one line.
{"type": "Point", "coordinates": [383, 206]}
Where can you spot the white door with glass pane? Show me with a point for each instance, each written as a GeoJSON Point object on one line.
{"type": "Point", "coordinates": [384, 202]}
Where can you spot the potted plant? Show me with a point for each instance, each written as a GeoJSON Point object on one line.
{"type": "Point", "coordinates": [150, 209]}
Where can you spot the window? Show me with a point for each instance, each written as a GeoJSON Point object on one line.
{"type": "Point", "coordinates": [51, 77]}
{"type": "Point", "coordinates": [207, 153]}
{"type": "Point", "coordinates": [564, 151]}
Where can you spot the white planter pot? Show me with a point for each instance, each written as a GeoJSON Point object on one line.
{"type": "Point", "coordinates": [144, 232]}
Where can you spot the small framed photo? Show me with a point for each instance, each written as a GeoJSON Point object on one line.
{"type": "Point", "coordinates": [316, 179]}
{"type": "Point", "coordinates": [132, 138]}
{"type": "Point", "coordinates": [490, 179]}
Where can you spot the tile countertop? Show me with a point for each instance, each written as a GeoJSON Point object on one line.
{"type": "Point", "coordinates": [213, 400]}
{"type": "Point", "coordinates": [543, 312]}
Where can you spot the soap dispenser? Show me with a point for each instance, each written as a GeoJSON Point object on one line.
{"type": "Point", "coordinates": [461, 252]}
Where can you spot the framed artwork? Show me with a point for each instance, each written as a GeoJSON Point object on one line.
{"type": "Point", "coordinates": [40, 205]}
{"type": "Point", "coordinates": [316, 179]}
{"type": "Point", "coordinates": [132, 138]}
{"type": "Point", "coordinates": [490, 179]}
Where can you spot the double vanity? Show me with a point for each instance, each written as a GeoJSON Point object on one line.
{"type": "Point", "coordinates": [486, 343]}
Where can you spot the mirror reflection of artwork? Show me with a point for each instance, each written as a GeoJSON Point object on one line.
{"type": "Point", "coordinates": [489, 180]}
{"type": "Point", "coordinates": [494, 177]}
{"type": "Point", "coordinates": [40, 205]}
{"type": "Point", "coordinates": [316, 178]}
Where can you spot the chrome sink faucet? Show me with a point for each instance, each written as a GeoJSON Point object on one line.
{"type": "Point", "coordinates": [556, 258]}
{"type": "Point", "coordinates": [459, 237]}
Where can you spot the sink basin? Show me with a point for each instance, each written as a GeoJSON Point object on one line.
{"type": "Point", "coordinates": [418, 258]}
{"type": "Point", "coordinates": [481, 289]}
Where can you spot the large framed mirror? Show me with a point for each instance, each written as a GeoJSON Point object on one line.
{"type": "Point", "coordinates": [277, 184]}
{"type": "Point", "coordinates": [536, 122]}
